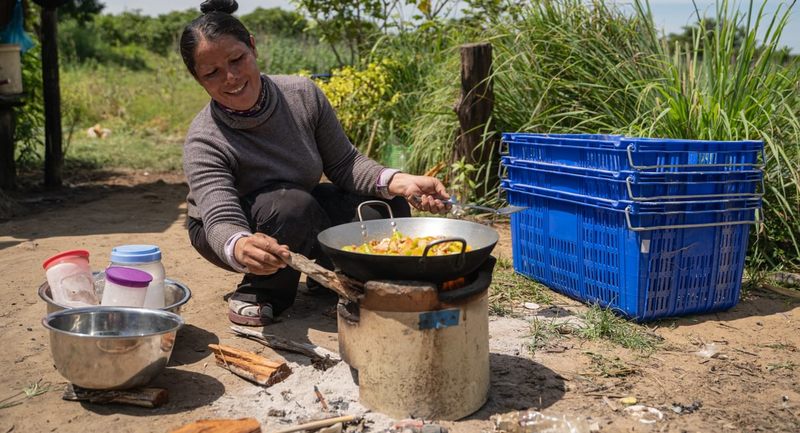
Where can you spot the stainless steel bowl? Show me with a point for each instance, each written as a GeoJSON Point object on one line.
{"type": "Point", "coordinates": [175, 293]}
{"type": "Point", "coordinates": [111, 347]}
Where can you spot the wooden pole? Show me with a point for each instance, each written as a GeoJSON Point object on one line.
{"type": "Point", "coordinates": [475, 107]}
{"type": "Point", "coordinates": [53, 154]}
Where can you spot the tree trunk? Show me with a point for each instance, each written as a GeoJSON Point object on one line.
{"type": "Point", "coordinates": [53, 154]}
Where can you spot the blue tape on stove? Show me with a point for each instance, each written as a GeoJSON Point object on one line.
{"type": "Point", "coordinates": [439, 319]}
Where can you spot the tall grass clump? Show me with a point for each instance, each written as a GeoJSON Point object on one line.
{"type": "Point", "coordinates": [427, 85]}
{"type": "Point", "coordinates": [571, 66]}
{"type": "Point", "coordinates": [723, 88]}
{"type": "Point", "coordinates": [559, 66]}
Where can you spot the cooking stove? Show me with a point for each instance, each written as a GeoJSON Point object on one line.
{"type": "Point", "coordinates": [420, 349]}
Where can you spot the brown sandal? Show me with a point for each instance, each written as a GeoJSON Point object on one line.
{"type": "Point", "coordinates": [250, 313]}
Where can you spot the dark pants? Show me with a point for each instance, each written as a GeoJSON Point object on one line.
{"type": "Point", "coordinates": [295, 218]}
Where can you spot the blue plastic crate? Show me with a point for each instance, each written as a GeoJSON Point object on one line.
{"type": "Point", "coordinates": [615, 153]}
{"type": "Point", "coordinates": [646, 269]}
{"type": "Point", "coordinates": [634, 185]}
{"type": "Point", "coordinates": [646, 214]}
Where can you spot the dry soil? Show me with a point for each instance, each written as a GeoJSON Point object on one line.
{"type": "Point", "coordinates": [750, 384]}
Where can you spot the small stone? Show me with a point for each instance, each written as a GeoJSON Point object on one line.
{"type": "Point", "coordinates": [628, 401]}
{"type": "Point", "coordinates": [29, 329]}
{"type": "Point", "coordinates": [531, 306]}
{"type": "Point", "coordinates": [760, 323]}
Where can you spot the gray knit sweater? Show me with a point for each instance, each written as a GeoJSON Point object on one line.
{"type": "Point", "coordinates": [295, 138]}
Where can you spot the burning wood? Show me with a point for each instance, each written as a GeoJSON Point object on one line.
{"type": "Point", "coordinates": [250, 366]}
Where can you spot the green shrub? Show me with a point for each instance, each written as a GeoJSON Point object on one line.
{"type": "Point", "coordinates": [29, 131]}
{"type": "Point", "coordinates": [362, 98]}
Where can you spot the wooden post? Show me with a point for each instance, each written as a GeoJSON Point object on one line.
{"type": "Point", "coordinates": [475, 108]}
{"type": "Point", "coordinates": [53, 154]}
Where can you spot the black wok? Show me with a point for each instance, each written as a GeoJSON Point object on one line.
{"type": "Point", "coordinates": [366, 267]}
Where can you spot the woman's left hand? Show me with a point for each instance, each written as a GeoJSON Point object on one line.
{"type": "Point", "coordinates": [425, 193]}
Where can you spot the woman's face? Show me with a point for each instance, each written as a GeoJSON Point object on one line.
{"type": "Point", "coordinates": [227, 69]}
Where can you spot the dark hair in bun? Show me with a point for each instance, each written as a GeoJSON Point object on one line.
{"type": "Point", "coordinates": [227, 6]}
{"type": "Point", "coordinates": [217, 21]}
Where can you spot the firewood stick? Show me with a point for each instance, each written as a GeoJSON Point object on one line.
{"type": "Point", "coordinates": [313, 425]}
{"type": "Point", "coordinates": [249, 365]}
{"type": "Point", "coordinates": [326, 277]}
{"type": "Point", "coordinates": [244, 425]}
{"type": "Point", "coordinates": [142, 397]}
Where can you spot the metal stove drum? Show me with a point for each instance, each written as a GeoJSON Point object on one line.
{"type": "Point", "coordinates": [419, 336]}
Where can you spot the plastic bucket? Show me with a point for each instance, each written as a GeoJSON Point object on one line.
{"type": "Point", "coordinates": [10, 69]}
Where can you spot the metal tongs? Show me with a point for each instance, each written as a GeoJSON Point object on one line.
{"type": "Point", "coordinates": [458, 209]}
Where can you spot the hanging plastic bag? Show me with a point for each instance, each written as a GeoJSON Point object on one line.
{"type": "Point", "coordinates": [14, 31]}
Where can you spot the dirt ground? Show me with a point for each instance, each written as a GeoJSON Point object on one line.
{"type": "Point", "coordinates": [751, 384]}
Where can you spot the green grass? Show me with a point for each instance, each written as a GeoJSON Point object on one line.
{"type": "Point", "coordinates": [163, 99]}
{"type": "Point", "coordinates": [509, 289]}
{"type": "Point", "coordinates": [602, 323]}
{"type": "Point", "coordinates": [148, 112]}
{"type": "Point", "coordinates": [125, 149]}
{"type": "Point", "coordinates": [546, 332]}
{"type": "Point", "coordinates": [33, 389]}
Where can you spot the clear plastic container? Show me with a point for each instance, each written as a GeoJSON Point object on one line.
{"type": "Point", "coordinates": [148, 259]}
{"type": "Point", "coordinates": [125, 287]}
{"type": "Point", "coordinates": [70, 279]}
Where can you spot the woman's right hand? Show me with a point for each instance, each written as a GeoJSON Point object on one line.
{"type": "Point", "coordinates": [261, 254]}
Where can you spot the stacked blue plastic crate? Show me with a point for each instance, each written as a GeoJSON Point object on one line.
{"type": "Point", "coordinates": [649, 227]}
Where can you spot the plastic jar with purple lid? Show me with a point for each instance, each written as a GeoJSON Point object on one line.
{"type": "Point", "coordinates": [125, 287]}
{"type": "Point", "coordinates": [145, 258]}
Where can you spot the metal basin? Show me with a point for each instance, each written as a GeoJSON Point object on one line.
{"type": "Point", "coordinates": [111, 347]}
{"type": "Point", "coordinates": [175, 293]}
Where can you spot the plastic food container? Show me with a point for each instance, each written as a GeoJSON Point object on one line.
{"type": "Point", "coordinates": [70, 278]}
{"type": "Point", "coordinates": [148, 259]}
{"type": "Point", "coordinates": [125, 287]}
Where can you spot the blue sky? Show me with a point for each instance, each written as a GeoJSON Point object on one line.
{"type": "Point", "coordinates": [670, 15]}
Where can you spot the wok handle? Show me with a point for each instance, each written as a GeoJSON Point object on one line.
{"type": "Point", "coordinates": [461, 257]}
{"type": "Point", "coordinates": [371, 203]}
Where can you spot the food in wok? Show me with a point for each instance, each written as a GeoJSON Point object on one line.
{"type": "Point", "coordinates": [400, 245]}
